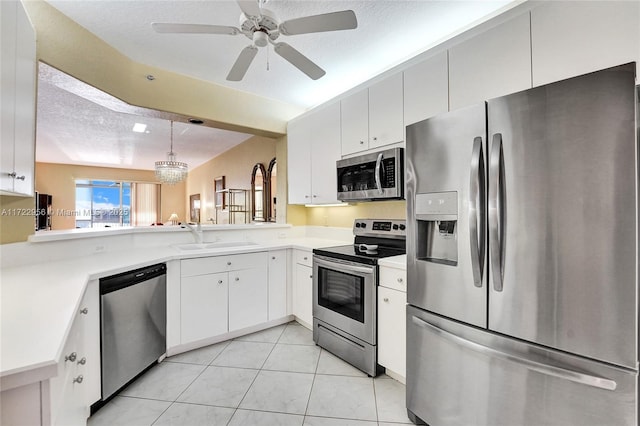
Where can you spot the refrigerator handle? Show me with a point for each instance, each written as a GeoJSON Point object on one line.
{"type": "Point", "coordinates": [531, 364]}
{"type": "Point", "coordinates": [476, 211]}
{"type": "Point", "coordinates": [496, 211]}
{"type": "Point", "coordinates": [377, 174]}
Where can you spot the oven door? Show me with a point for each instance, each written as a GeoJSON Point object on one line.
{"type": "Point", "coordinates": [344, 296]}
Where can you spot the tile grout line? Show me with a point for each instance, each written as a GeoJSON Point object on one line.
{"type": "Point", "coordinates": [315, 374]}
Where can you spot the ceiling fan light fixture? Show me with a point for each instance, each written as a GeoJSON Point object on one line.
{"type": "Point", "coordinates": [171, 171]}
{"type": "Point", "coordinates": [260, 38]}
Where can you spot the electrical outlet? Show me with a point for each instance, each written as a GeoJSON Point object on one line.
{"type": "Point", "coordinates": [99, 249]}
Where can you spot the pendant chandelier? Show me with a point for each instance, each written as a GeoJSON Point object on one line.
{"type": "Point", "coordinates": [171, 171]}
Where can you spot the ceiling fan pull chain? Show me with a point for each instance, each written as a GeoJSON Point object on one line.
{"type": "Point", "coordinates": [267, 59]}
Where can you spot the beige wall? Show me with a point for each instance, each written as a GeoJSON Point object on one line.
{"type": "Point", "coordinates": [16, 220]}
{"type": "Point", "coordinates": [236, 166]}
{"type": "Point", "coordinates": [344, 216]}
{"type": "Point", "coordinates": [58, 180]}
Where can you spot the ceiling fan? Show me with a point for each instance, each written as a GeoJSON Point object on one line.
{"type": "Point", "coordinates": [262, 27]}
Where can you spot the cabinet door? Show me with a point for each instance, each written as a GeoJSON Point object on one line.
{"type": "Point", "coordinates": [89, 315]}
{"type": "Point", "coordinates": [494, 63]}
{"type": "Point", "coordinates": [392, 329]}
{"type": "Point", "coordinates": [25, 106]}
{"type": "Point", "coordinates": [303, 293]}
{"type": "Point", "coordinates": [355, 122]}
{"type": "Point", "coordinates": [426, 89]}
{"type": "Point", "coordinates": [325, 151]}
{"type": "Point", "coordinates": [247, 298]}
{"type": "Point", "coordinates": [277, 284]}
{"type": "Point", "coordinates": [574, 38]}
{"type": "Point", "coordinates": [8, 30]}
{"type": "Point", "coordinates": [298, 160]}
{"type": "Point", "coordinates": [385, 112]}
{"type": "Point", "coordinates": [203, 306]}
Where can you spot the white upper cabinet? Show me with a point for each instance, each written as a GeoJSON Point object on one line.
{"type": "Point", "coordinates": [426, 89]}
{"type": "Point", "coordinates": [18, 100]}
{"type": "Point", "coordinates": [313, 143]}
{"type": "Point", "coordinates": [573, 38]}
{"type": "Point", "coordinates": [355, 122]}
{"type": "Point", "coordinates": [373, 117]}
{"type": "Point", "coordinates": [386, 116]}
{"type": "Point", "coordinates": [494, 63]}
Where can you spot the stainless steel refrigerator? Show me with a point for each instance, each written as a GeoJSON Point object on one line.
{"type": "Point", "coordinates": [522, 258]}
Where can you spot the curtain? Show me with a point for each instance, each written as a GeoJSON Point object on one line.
{"type": "Point", "coordinates": [145, 204]}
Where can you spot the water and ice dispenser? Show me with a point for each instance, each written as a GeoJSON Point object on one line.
{"type": "Point", "coordinates": [437, 226]}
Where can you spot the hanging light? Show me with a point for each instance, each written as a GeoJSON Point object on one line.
{"type": "Point", "coordinates": [171, 171]}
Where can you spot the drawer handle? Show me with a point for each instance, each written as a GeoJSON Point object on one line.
{"type": "Point", "coordinates": [386, 299]}
{"type": "Point", "coordinates": [228, 263]}
{"type": "Point", "coordinates": [361, 142]}
{"type": "Point", "coordinates": [219, 281]}
{"type": "Point", "coordinates": [305, 258]}
{"type": "Point", "coordinates": [78, 379]}
{"type": "Point", "coordinates": [311, 276]}
{"type": "Point", "coordinates": [237, 278]}
{"type": "Point", "coordinates": [273, 258]}
{"type": "Point", "coordinates": [84, 311]}
{"type": "Point", "coordinates": [400, 280]}
{"type": "Point", "coordinates": [83, 361]}
{"type": "Point", "coordinates": [71, 357]}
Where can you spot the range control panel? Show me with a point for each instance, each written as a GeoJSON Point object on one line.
{"type": "Point", "coordinates": [389, 228]}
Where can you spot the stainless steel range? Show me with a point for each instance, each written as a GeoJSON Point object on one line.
{"type": "Point", "coordinates": [345, 288]}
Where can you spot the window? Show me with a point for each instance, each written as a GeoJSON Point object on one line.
{"type": "Point", "coordinates": [103, 204]}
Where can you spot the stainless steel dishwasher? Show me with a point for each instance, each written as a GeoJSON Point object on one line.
{"type": "Point", "coordinates": [133, 325]}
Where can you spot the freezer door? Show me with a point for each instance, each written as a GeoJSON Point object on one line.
{"type": "Point", "coordinates": [460, 375]}
{"type": "Point", "coordinates": [562, 216]}
{"type": "Point", "coordinates": [445, 187]}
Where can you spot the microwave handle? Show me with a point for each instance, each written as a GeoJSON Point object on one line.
{"type": "Point", "coordinates": [377, 174]}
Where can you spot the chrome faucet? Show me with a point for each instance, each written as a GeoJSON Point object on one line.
{"type": "Point", "coordinates": [197, 231]}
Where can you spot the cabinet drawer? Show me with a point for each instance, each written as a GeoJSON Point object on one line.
{"type": "Point", "coordinates": [215, 264]}
{"type": "Point", "coordinates": [304, 257]}
{"type": "Point", "coordinates": [393, 278]}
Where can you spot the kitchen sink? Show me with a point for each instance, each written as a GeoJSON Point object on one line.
{"type": "Point", "coordinates": [210, 246]}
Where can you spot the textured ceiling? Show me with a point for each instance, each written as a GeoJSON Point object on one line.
{"type": "Point", "coordinates": [74, 130]}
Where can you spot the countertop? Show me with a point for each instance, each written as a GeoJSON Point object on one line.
{"type": "Point", "coordinates": [399, 262]}
{"type": "Point", "coordinates": [38, 302]}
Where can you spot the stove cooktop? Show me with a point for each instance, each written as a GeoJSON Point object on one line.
{"type": "Point", "coordinates": [357, 253]}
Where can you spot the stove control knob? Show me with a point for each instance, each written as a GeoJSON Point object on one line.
{"type": "Point", "coordinates": [402, 227]}
{"type": "Point", "coordinates": [395, 226]}
{"type": "Point", "coordinates": [363, 225]}
{"type": "Point", "coordinates": [358, 225]}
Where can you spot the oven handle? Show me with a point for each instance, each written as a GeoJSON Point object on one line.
{"type": "Point", "coordinates": [339, 265]}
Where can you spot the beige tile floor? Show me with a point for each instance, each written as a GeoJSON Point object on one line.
{"type": "Point", "coordinates": [274, 377]}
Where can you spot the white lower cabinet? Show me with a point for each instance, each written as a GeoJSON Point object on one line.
{"type": "Point", "coordinates": [303, 287]}
{"type": "Point", "coordinates": [219, 294]}
{"type": "Point", "coordinates": [203, 306]}
{"type": "Point", "coordinates": [77, 384]}
{"type": "Point", "coordinates": [277, 284]}
{"type": "Point", "coordinates": [392, 327]}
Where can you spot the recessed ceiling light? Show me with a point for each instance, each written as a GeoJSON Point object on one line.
{"type": "Point", "coordinates": [139, 127]}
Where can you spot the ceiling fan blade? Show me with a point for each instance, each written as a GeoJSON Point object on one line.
{"type": "Point", "coordinates": [251, 8]}
{"type": "Point", "coordinates": [334, 21]}
{"type": "Point", "coordinates": [194, 29]}
{"type": "Point", "coordinates": [241, 65]}
{"type": "Point", "coordinates": [299, 61]}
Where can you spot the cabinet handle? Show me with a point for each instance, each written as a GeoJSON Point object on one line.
{"type": "Point", "coordinates": [15, 176]}
{"type": "Point", "coordinates": [315, 196]}
{"type": "Point", "coordinates": [386, 299]}
{"type": "Point", "coordinates": [71, 357]}
{"type": "Point", "coordinates": [361, 142]}
{"type": "Point", "coordinates": [219, 281]}
{"type": "Point", "coordinates": [311, 276]}
{"type": "Point", "coordinates": [306, 196]}
{"type": "Point", "coordinates": [237, 278]}
{"type": "Point", "coordinates": [273, 258]}
{"type": "Point", "coordinates": [305, 258]}
{"type": "Point", "coordinates": [375, 138]}
{"type": "Point", "coordinates": [78, 379]}
{"type": "Point", "coordinates": [400, 280]}
{"type": "Point", "coordinates": [83, 361]}
{"type": "Point", "coordinates": [84, 311]}
{"type": "Point", "coordinates": [228, 263]}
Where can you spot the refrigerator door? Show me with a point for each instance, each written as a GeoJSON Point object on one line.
{"type": "Point", "coordinates": [445, 188]}
{"type": "Point", "coordinates": [460, 375]}
{"type": "Point", "coordinates": [562, 216]}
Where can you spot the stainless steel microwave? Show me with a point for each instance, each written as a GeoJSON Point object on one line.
{"type": "Point", "coordinates": [373, 176]}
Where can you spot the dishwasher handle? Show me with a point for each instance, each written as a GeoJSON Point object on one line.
{"type": "Point", "coordinates": [129, 278]}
